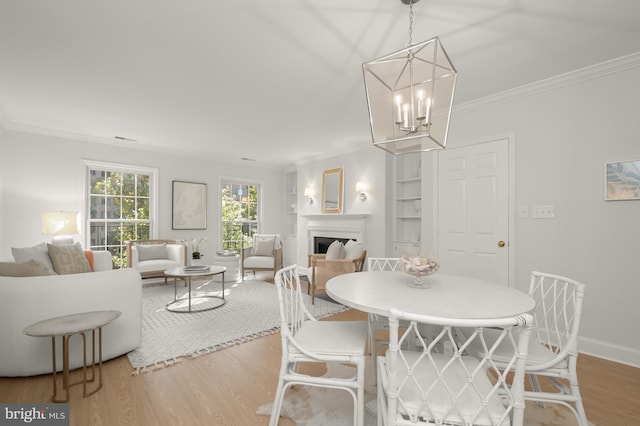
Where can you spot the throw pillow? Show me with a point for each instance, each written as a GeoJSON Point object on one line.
{"type": "Point", "coordinates": [335, 251]}
{"type": "Point", "coordinates": [353, 250]}
{"type": "Point", "coordinates": [264, 246]}
{"type": "Point", "coordinates": [151, 251]}
{"type": "Point", "coordinates": [68, 259]}
{"type": "Point", "coordinates": [38, 252]}
{"type": "Point", "coordinates": [31, 268]}
{"type": "Point", "coordinates": [89, 255]}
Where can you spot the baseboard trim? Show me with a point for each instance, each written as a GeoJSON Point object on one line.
{"type": "Point", "coordinates": [609, 351]}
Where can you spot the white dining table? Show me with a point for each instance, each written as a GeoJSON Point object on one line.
{"type": "Point", "coordinates": [448, 296]}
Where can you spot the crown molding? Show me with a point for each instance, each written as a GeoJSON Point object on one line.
{"type": "Point", "coordinates": [573, 77]}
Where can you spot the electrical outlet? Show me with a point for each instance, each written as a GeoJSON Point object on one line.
{"type": "Point", "coordinates": [543, 212]}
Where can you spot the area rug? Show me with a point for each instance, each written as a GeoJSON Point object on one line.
{"type": "Point", "coordinates": [251, 311]}
{"type": "Point", "coordinates": [313, 406]}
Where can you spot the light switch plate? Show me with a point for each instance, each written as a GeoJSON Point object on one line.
{"type": "Point", "coordinates": [543, 212]}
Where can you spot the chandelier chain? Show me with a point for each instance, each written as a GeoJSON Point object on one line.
{"type": "Point", "coordinates": [410, 22]}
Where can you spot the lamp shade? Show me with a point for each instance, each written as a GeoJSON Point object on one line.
{"type": "Point", "coordinates": [410, 95]}
{"type": "Point", "coordinates": [60, 223]}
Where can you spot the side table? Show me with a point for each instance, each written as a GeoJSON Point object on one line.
{"type": "Point", "coordinates": [231, 261]}
{"type": "Point", "coordinates": [65, 327]}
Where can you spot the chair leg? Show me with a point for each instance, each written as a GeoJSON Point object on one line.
{"type": "Point", "coordinates": [575, 391]}
{"type": "Point", "coordinates": [277, 403]}
{"type": "Point", "coordinates": [313, 294]}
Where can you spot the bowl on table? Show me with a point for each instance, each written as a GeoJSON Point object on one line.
{"type": "Point", "coordinates": [419, 266]}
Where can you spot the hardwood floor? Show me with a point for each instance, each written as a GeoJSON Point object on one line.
{"type": "Point", "coordinates": [226, 388]}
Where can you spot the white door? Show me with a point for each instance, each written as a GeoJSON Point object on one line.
{"type": "Point", "coordinates": [473, 211]}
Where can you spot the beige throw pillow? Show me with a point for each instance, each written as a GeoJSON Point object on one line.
{"type": "Point", "coordinates": [152, 251]}
{"type": "Point", "coordinates": [335, 251]}
{"type": "Point", "coordinates": [68, 259]}
{"type": "Point", "coordinates": [353, 250]}
{"type": "Point", "coordinates": [38, 252]}
{"type": "Point", "coordinates": [264, 246]}
{"type": "Point", "coordinates": [31, 268]}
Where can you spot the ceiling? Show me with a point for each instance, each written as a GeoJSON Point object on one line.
{"type": "Point", "coordinates": [276, 81]}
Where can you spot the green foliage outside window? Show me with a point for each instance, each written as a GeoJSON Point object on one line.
{"type": "Point", "coordinates": [119, 211]}
{"type": "Point", "coordinates": [239, 215]}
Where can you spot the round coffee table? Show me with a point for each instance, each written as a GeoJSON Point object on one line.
{"type": "Point", "coordinates": [66, 326]}
{"type": "Point", "coordinates": [186, 273]}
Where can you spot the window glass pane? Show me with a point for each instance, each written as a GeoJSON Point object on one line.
{"type": "Point", "coordinates": [114, 234]}
{"type": "Point", "coordinates": [98, 235]}
{"type": "Point", "coordinates": [114, 181]}
{"type": "Point", "coordinates": [143, 209]}
{"type": "Point", "coordinates": [128, 184]}
{"type": "Point", "coordinates": [113, 208]}
{"type": "Point", "coordinates": [96, 181]}
{"type": "Point", "coordinates": [143, 231]}
{"type": "Point", "coordinates": [128, 208]}
{"type": "Point", "coordinates": [97, 207]}
{"type": "Point", "coordinates": [143, 186]}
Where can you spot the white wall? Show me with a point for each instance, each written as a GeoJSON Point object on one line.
{"type": "Point", "coordinates": [367, 166]}
{"type": "Point", "coordinates": [41, 173]}
{"type": "Point", "coordinates": [563, 136]}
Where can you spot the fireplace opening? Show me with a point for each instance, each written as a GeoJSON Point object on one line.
{"type": "Point", "coordinates": [321, 244]}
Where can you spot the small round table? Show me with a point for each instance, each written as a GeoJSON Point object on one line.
{"type": "Point", "coordinates": [66, 326]}
{"type": "Point", "coordinates": [186, 273]}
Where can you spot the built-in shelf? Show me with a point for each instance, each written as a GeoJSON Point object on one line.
{"type": "Point", "coordinates": [407, 223]}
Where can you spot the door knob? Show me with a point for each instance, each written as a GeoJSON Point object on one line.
{"type": "Point", "coordinates": [501, 243]}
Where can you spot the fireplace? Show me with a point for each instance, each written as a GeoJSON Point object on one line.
{"type": "Point", "coordinates": [324, 229]}
{"type": "Point", "coordinates": [321, 244]}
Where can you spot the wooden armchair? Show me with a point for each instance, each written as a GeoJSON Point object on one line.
{"type": "Point", "coordinates": [322, 270]}
{"type": "Point", "coordinates": [265, 254]}
{"type": "Point", "coordinates": [152, 257]}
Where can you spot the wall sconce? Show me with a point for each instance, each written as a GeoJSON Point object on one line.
{"type": "Point", "coordinates": [309, 194]}
{"type": "Point", "coordinates": [360, 189]}
{"type": "Point", "coordinates": [60, 224]}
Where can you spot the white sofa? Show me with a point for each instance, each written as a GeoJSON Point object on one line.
{"type": "Point", "coordinates": [152, 257]}
{"type": "Point", "coordinates": [26, 300]}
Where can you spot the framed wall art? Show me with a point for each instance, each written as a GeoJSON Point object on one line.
{"type": "Point", "coordinates": [622, 180]}
{"type": "Point", "coordinates": [189, 205]}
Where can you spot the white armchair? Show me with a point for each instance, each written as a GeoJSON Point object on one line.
{"type": "Point", "coordinates": [265, 254]}
{"type": "Point", "coordinates": [152, 257]}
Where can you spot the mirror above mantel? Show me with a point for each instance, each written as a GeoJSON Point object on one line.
{"type": "Point", "coordinates": [332, 190]}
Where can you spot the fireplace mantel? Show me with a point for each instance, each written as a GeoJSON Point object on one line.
{"type": "Point", "coordinates": [335, 216]}
{"type": "Point", "coordinates": [352, 226]}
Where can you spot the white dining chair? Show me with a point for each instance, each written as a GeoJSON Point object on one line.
{"type": "Point", "coordinates": [553, 352]}
{"type": "Point", "coordinates": [307, 340]}
{"type": "Point", "coordinates": [450, 387]}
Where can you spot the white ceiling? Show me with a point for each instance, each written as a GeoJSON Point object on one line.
{"type": "Point", "coordinates": [277, 81]}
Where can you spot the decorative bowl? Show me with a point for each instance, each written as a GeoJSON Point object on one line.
{"type": "Point", "coordinates": [419, 266]}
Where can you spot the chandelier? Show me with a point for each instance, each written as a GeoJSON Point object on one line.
{"type": "Point", "coordinates": [410, 95]}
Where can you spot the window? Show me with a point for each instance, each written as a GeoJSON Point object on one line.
{"type": "Point", "coordinates": [240, 214]}
{"type": "Point", "coordinates": [120, 205]}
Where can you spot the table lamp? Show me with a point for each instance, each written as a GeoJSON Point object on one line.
{"type": "Point", "coordinates": [60, 224]}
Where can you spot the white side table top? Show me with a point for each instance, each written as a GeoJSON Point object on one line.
{"type": "Point", "coordinates": [449, 296]}
{"type": "Point", "coordinates": [71, 324]}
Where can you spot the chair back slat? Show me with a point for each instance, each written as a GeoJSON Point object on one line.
{"type": "Point", "coordinates": [557, 312]}
{"type": "Point", "coordinates": [383, 264]}
{"type": "Point", "coordinates": [441, 383]}
{"type": "Point", "coordinates": [293, 312]}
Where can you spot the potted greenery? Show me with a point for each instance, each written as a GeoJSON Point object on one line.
{"type": "Point", "coordinates": [195, 246]}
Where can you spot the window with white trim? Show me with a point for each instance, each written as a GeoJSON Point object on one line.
{"type": "Point", "coordinates": [120, 206]}
{"type": "Point", "coordinates": [240, 218]}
